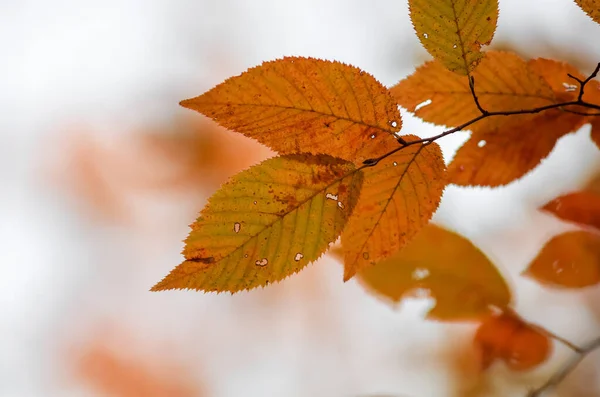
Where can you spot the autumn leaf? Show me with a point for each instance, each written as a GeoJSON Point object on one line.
{"type": "Point", "coordinates": [506, 337]}
{"type": "Point", "coordinates": [591, 7]}
{"type": "Point", "coordinates": [579, 207]}
{"type": "Point", "coordinates": [565, 88]}
{"type": "Point", "coordinates": [267, 223]}
{"type": "Point", "coordinates": [500, 156]}
{"type": "Point", "coordinates": [570, 260]}
{"type": "Point", "coordinates": [503, 82]}
{"type": "Point", "coordinates": [116, 373]}
{"type": "Point", "coordinates": [596, 131]}
{"type": "Point", "coordinates": [463, 281]}
{"type": "Point", "coordinates": [189, 154]}
{"type": "Point", "coordinates": [453, 31]}
{"type": "Point", "coordinates": [306, 105]}
{"type": "Point", "coordinates": [399, 196]}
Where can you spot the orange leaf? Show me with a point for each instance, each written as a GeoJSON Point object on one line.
{"type": "Point", "coordinates": [570, 260]}
{"type": "Point", "coordinates": [580, 207]}
{"type": "Point", "coordinates": [591, 7]}
{"type": "Point", "coordinates": [508, 338]}
{"type": "Point", "coordinates": [596, 131]}
{"type": "Point", "coordinates": [117, 373]}
{"type": "Point", "coordinates": [499, 156]}
{"type": "Point", "coordinates": [503, 82]}
{"type": "Point", "coordinates": [398, 198]}
{"type": "Point", "coordinates": [304, 105]}
{"type": "Point", "coordinates": [556, 74]}
{"type": "Point", "coordinates": [462, 279]}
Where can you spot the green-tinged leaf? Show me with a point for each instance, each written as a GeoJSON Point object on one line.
{"type": "Point", "coordinates": [453, 31]}
{"type": "Point", "coordinates": [267, 223]}
{"type": "Point", "coordinates": [463, 281]}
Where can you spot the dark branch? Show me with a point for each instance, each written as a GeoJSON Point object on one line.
{"type": "Point", "coordinates": [475, 98]}
{"type": "Point", "coordinates": [581, 353]}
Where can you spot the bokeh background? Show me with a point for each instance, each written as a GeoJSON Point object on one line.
{"type": "Point", "coordinates": [101, 172]}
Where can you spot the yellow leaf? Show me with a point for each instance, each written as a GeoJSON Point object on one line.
{"type": "Point", "coordinates": [305, 105]}
{"type": "Point", "coordinates": [453, 31]}
{"type": "Point", "coordinates": [463, 281]}
{"type": "Point", "coordinates": [579, 207]}
{"type": "Point", "coordinates": [267, 223]}
{"type": "Point", "coordinates": [503, 82]}
{"type": "Point", "coordinates": [591, 7]}
{"type": "Point", "coordinates": [570, 260]}
{"type": "Point", "coordinates": [500, 156]}
{"type": "Point", "coordinates": [399, 196]}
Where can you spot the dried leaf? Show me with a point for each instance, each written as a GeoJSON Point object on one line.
{"type": "Point", "coordinates": [503, 82]}
{"type": "Point", "coordinates": [453, 31]}
{"type": "Point", "coordinates": [399, 196]}
{"type": "Point", "coordinates": [267, 223]}
{"type": "Point", "coordinates": [591, 7]}
{"type": "Point", "coordinates": [457, 274]}
{"type": "Point", "coordinates": [570, 260]}
{"type": "Point", "coordinates": [579, 207]}
{"type": "Point", "coordinates": [500, 156]}
{"type": "Point", "coordinates": [506, 337]}
{"type": "Point", "coordinates": [306, 105]}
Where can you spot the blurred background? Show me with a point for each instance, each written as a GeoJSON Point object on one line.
{"type": "Point", "coordinates": [102, 172]}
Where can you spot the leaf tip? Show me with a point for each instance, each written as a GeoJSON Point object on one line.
{"type": "Point", "coordinates": [187, 103]}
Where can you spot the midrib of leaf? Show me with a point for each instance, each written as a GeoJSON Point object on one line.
{"type": "Point", "coordinates": [460, 40]}
{"type": "Point", "coordinates": [279, 218]}
{"type": "Point", "coordinates": [359, 122]}
{"type": "Point", "coordinates": [400, 179]}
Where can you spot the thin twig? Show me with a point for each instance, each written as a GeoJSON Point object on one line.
{"type": "Point", "coordinates": [485, 114]}
{"type": "Point", "coordinates": [559, 376]}
{"type": "Point", "coordinates": [475, 98]}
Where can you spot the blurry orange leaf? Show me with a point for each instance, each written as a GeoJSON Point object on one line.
{"type": "Point", "coordinates": [579, 207]}
{"type": "Point", "coordinates": [118, 373]}
{"type": "Point", "coordinates": [506, 337]}
{"type": "Point", "coordinates": [190, 154]}
{"type": "Point", "coordinates": [463, 281]}
{"type": "Point", "coordinates": [304, 105]}
{"type": "Point", "coordinates": [591, 7]}
{"type": "Point", "coordinates": [453, 31]}
{"type": "Point", "coordinates": [499, 156]}
{"type": "Point", "coordinates": [503, 82]}
{"type": "Point", "coordinates": [267, 223]}
{"type": "Point", "coordinates": [570, 260]}
{"type": "Point", "coordinates": [91, 172]}
{"type": "Point", "coordinates": [399, 196]}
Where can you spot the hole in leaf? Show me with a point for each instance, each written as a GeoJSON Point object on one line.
{"type": "Point", "coordinates": [262, 262]}
{"type": "Point", "coordinates": [423, 104]}
{"type": "Point", "coordinates": [481, 143]}
{"type": "Point", "coordinates": [298, 257]}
